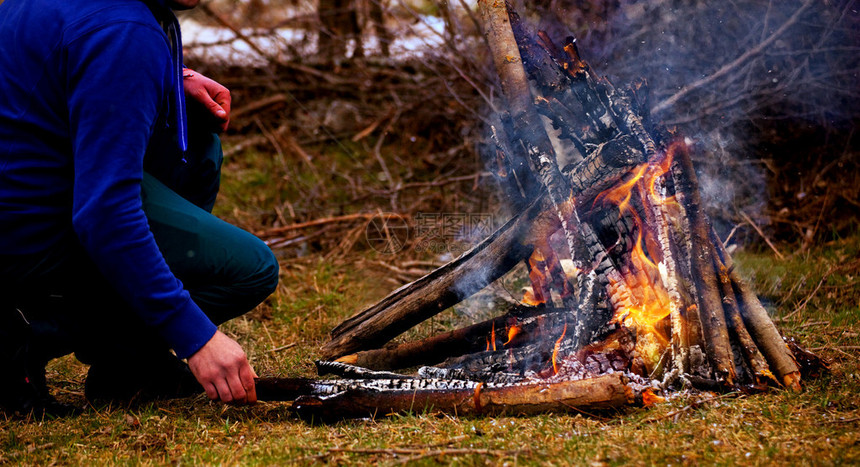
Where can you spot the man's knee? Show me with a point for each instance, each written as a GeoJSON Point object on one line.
{"type": "Point", "coordinates": [252, 277]}
{"type": "Point", "coordinates": [263, 281]}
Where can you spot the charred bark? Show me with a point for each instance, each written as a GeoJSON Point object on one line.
{"type": "Point", "coordinates": [602, 393]}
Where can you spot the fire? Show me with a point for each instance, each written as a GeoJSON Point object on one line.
{"type": "Point", "coordinates": [493, 336]}
{"type": "Point", "coordinates": [649, 398]}
{"type": "Point", "coordinates": [537, 295]}
{"type": "Point", "coordinates": [621, 194]}
{"type": "Point", "coordinates": [657, 170]}
{"type": "Point", "coordinates": [635, 200]}
{"type": "Point", "coordinates": [652, 302]}
{"type": "Point", "coordinates": [530, 299]}
{"type": "Point", "coordinates": [555, 350]}
{"type": "Point", "coordinates": [513, 331]}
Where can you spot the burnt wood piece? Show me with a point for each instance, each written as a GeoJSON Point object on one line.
{"type": "Point", "coordinates": [346, 370]}
{"type": "Point", "coordinates": [439, 347]}
{"type": "Point", "coordinates": [708, 300]}
{"type": "Point", "coordinates": [601, 393]}
{"type": "Point", "coordinates": [548, 335]}
{"type": "Point", "coordinates": [528, 127]}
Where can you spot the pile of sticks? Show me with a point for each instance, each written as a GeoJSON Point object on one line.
{"type": "Point", "coordinates": [652, 299]}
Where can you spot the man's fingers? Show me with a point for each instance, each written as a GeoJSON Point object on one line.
{"type": "Point", "coordinates": [223, 98]}
{"type": "Point", "coordinates": [211, 391]}
{"type": "Point", "coordinates": [236, 388]}
{"type": "Point", "coordinates": [214, 107]}
{"type": "Point", "coordinates": [224, 392]}
{"type": "Point", "coordinates": [247, 375]}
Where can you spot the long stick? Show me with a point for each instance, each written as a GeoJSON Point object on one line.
{"type": "Point", "coordinates": [708, 300]}
{"type": "Point", "coordinates": [433, 349]}
{"type": "Point", "coordinates": [527, 122]}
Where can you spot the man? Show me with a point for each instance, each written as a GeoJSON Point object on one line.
{"type": "Point", "coordinates": [107, 248]}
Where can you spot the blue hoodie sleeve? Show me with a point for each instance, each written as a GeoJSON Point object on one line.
{"type": "Point", "coordinates": [118, 76]}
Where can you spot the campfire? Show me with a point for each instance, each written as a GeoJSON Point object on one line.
{"type": "Point", "coordinates": [632, 294]}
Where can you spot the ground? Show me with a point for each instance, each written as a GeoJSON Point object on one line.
{"type": "Point", "coordinates": [814, 296]}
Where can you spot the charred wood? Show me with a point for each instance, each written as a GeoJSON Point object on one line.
{"type": "Point", "coordinates": [439, 347]}
{"type": "Point", "coordinates": [708, 301]}
{"type": "Point", "coordinates": [602, 393]}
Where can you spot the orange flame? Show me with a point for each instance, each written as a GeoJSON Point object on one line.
{"type": "Point", "coordinates": [513, 331]}
{"type": "Point", "coordinates": [658, 170]}
{"type": "Point", "coordinates": [652, 300]}
{"type": "Point", "coordinates": [493, 336]}
{"type": "Point", "coordinates": [555, 350]}
{"type": "Point", "coordinates": [620, 195]}
{"type": "Point", "coordinates": [538, 278]}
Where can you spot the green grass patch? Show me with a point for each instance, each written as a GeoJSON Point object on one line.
{"type": "Point", "coordinates": [816, 427]}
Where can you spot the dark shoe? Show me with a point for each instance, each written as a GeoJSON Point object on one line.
{"type": "Point", "coordinates": [24, 393]}
{"type": "Point", "coordinates": [158, 378]}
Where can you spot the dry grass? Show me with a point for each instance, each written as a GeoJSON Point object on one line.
{"type": "Point", "coordinates": [817, 294]}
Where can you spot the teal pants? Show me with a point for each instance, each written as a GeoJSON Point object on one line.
{"type": "Point", "coordinates": [227, 270]}
{"type": "Point", "coordinates": [56, 302]}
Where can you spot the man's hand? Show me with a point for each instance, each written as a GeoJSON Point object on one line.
{"type": "Point", "coordinates": [214, 97]}
{"type": "Point", "coordinates": [221, 367]}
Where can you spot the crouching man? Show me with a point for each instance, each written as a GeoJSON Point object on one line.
{"type": "Point", "coordinates": [107, 245]}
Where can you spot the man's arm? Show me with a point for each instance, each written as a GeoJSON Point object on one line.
{"type": "Point", "coordinates": [220, 365]}
{"type": "Point", "coordinates": [116, 85]}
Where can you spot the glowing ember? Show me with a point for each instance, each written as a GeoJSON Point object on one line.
{"type": "Point", "coordinates": [649, 398]}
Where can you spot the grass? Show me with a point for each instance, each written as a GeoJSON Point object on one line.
{"type": "Point", "coordinates": [815, 297]}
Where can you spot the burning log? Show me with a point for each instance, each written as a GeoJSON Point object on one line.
{"type": "Point", "coordinates": [439, 347]}
{"type": "Point", "coordinates": [708, 300]}
{"type": "Point", "coordinates": [322, 400]}
{"type": "Point", "coordinates": [651, 300]}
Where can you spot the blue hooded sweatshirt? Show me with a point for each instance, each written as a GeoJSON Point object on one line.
{"type": "Point", "coordinates": [83, 86]}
